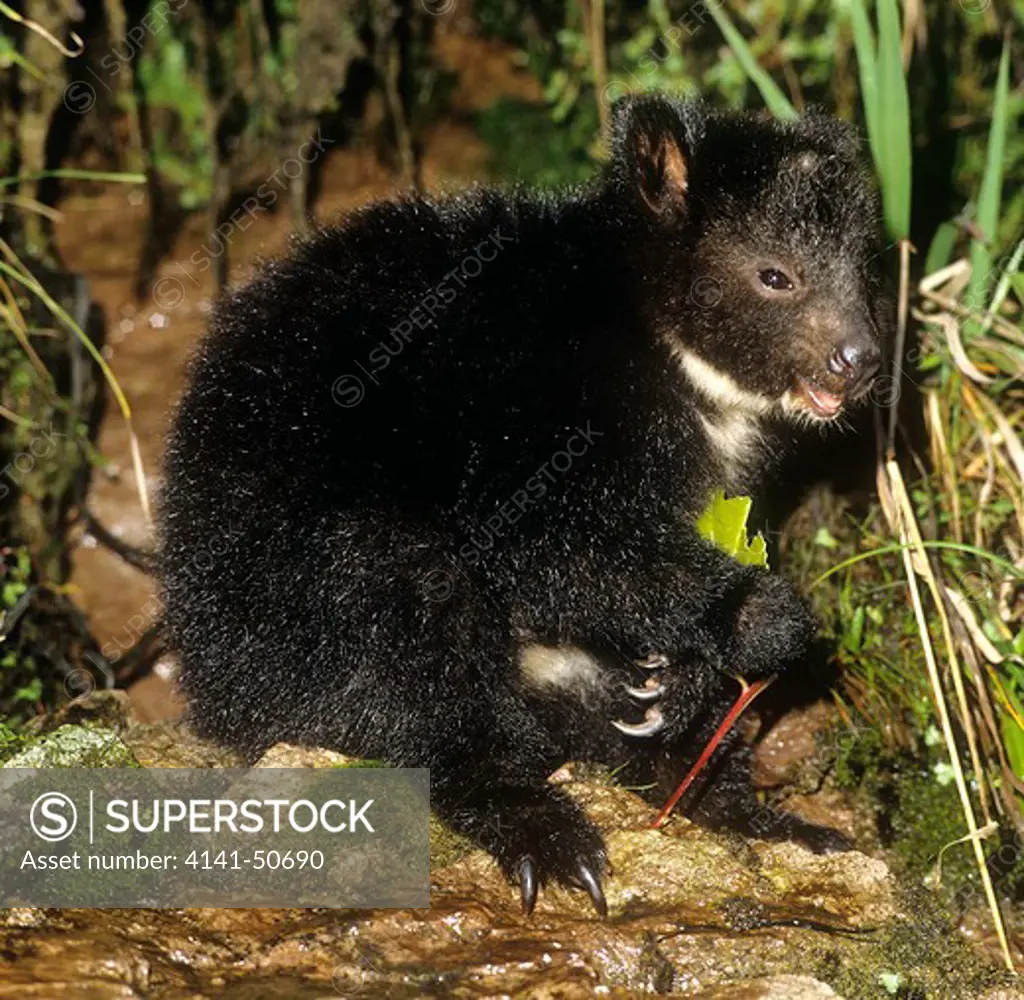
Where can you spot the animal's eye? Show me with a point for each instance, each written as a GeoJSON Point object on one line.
{"type": "Point", "coordinates": [777, 281]}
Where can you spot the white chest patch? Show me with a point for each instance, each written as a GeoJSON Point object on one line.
{"type": "Point", "coordinates": [734, 436]}
{"type": "Point", "coordinates": [719, 386]}
{"type": "Point", "coordinates": [732, 423]}
{"type": "Point", "coordinates": [564, 668]}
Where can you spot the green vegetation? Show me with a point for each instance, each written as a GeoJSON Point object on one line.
{"type": "Point", "coordinates": [73, 746]}
{"type": "Point", "coordinates": [725, 524]}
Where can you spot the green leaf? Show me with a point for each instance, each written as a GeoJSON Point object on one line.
{"type": "Point", "coordinates": [941, 250]}
{"type": "Point", "coordinates": [987, 215]}
{"type": "Point", "coordinates": [775, 100]}
{"type": "Point", "coordinates": [1017, 280]}
{"type": "Point", "coordinates": [1013, 740]}
{"type": "Point", "coordinates": [893, 114]}
{"type": "Point", "coordinates": [32, 691]}
{"type": "Point", "coordinates": [724, 524]}
{"type": "Point", "coordinates": [892, 981]}
{"type": "Point", "coordinates": [853, 639]}
{"type": "Point", "coordinates": [867, 65]}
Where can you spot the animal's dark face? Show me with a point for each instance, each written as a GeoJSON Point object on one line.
{"type": "Point", "coordinates": [760, 265]}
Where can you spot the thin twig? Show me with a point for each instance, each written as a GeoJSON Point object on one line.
{"type": "Point", "coordinates": [901, 340]}
{"type": "Point", "coordinates": [43, 33]}
{"type": "Point", "coordinates": [137, 558]}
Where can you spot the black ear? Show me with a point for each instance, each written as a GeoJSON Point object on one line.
{"type": "Point", "coordinates": [649, 151]}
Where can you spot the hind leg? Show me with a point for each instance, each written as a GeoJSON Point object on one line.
{"type": "Point", "coordinates": [435, 684]}
{"type": "Point", "coordinates": [489, 756]}
{"type": "Point", "coordinates": [387, 660]}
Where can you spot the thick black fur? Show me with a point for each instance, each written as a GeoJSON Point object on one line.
{"type": "Point", "coordinates": [386, 479]}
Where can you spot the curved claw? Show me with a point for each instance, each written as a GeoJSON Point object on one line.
{"type": "Point", "coordinates": [589, 881]}
{"type": "Point", "coordinates": [527, 884]}
{"type": "Point", "coordinates": [656, 661]}
{"type": "Point", "coordinates": [654, 723]}
{"type": "Point", "coordinates": [652, 693]}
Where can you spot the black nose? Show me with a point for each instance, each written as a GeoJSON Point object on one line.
{"type": "Point", "coordinates": [855, 361]}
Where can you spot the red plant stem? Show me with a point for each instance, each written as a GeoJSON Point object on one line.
{"type": "Point", "coordinates": [748, 693]}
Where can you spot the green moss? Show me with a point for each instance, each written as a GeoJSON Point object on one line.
{"type": "Point", "coordinates": [446, 846]}
{"type": "Point", "coordinates": [921, 957]}
{"type": "Point", "coordinates": [919, 814]}
{"type": "Point", "coordinates": [10, 742]}
{"type": "Point", "coordinates": [859, 762]}
{"type": "Point", "coordinates": [927, 816]}
{"type": "Point", "coordinates": [74, 746]}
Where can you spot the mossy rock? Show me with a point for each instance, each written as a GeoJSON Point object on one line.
{"type": "Point", "coordinates": [74, 746]}
{"type": "Point", "coordinates": [446, 846]}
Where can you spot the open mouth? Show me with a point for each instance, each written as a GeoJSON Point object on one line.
{"type": "Point", "coordinates": [824, 404]}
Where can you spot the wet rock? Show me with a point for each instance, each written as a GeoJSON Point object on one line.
{"type": "Point", "coordinates": [691, 913]}
{"type": "Point", "coordinates": [835, 808]}
{"type": "Point", "coordinates": [74, 746]}
{"type": "Point", "coordinates": [831, 883]}
{"type": "Point", "coordinates": [795, 745]}
{"type": "Point", "coordinates": [172, 744]}
{"type": "Point", "coordinates": [775, 988]}
{"type": "Point", "coordinates": [287, 755]}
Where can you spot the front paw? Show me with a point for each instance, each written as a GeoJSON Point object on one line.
{"type": "Point", "coordinates": [646, 696]}
{"type": "Point", "coordinates": [662, 701]}
{"type": "Point", "coordinates": [771, 629]}
{"type": "Point", "coordinates": [539, 836]}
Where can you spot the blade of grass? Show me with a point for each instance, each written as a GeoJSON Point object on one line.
{"type": "Point", "coordinates": [775, 100]}
{"type": "Point", "coordinates": [43, 33]}
{"type": "Point", "coordinates": [15, 419]}
{"type": "Point", "coordinates": [990, 193]}
{"type": "Point", "coordinates": [867, 66]}
{"type": "Point", "coordinates": [17, 271]}
{"type": "Point", "coordinates": [894, 130]}
{"type": "Point", "coordinates": [1011, 440]}
{"type": "Point", "coordinates": [885, 550]}
{"type": "Point", "coordinates": [1003, 288]}
{"type": "Point", "coordinates": [19, 60]}
{"type": "Point", "coordinates": [17, 325]}
{"type": "Point", "coordinates": [32, 205]}
{"type": "Point", "coordinates": [74, 175]}
{"type": "Point", "coordinates": [941, 249]}
{"type": "Point", "coordinates": [902, 310]}
{"type": "Point", "coordinates": [910, 538]}
{"type": "Point", "coordinates": [943, 460]}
